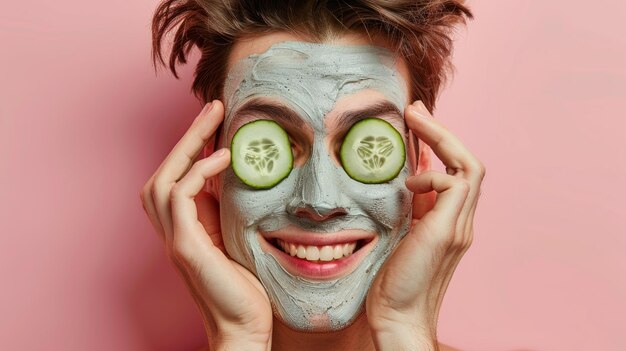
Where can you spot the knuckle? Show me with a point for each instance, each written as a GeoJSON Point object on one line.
{"type": "Point", "coordinates": [159, 183]}
{"type": "Point", "coordinates": [460, 244]}
{"type": "Point", "coordinates": [450, 241]}
{"type": "Point", "coordinates": [175, 191]}
{"type": "Point", "coordinates": [468, 242]}
{"type": "Point", "coordinates": [463, 185]}
{"type": "Point", "coordinates": [146, 193]}
{"type": "Point", "coordinates": [142, 197]}
{"type": "Point", "coordinates": [455, 243]}
{"type": "Point", "coordinates": [464, 245]}
{"type": "Point", "coordinates": [143, 203]}
{"type": "Point", "coordinates": [156, 188]}
{"type": "Point", "coordinates": [477, 167]}
{"type": "Point", "coordinates": [482, 170]}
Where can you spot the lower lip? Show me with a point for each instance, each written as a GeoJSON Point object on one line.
{"type": "Point", "coordinates": [319, 271]}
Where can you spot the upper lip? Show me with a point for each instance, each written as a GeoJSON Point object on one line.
{"type": "Point", "coordinates": [295, 235]}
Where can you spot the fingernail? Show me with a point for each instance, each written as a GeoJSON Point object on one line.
{"type": "Point", "coordinates": [416, 112]}
{"type": "Point", "coordinates": [420, 110]}
{"type": "Point", "coordinates": [219, 153]}
{"type": "Point", "coordinates": [208, 107]}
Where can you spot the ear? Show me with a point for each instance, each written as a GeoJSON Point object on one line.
{"type": "Point", "coordinates": [422, 203]}
{"type": "Point", "coordinates": [419, 155]}
{"type": "Point", "coordinates": [211, 185]}
{"type": "Point", "coordinates": [424, 159]}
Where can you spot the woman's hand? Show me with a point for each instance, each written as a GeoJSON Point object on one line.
{"type": "Point", "coordinates": [403, 303]}
{"type": "Point", "coordinates": [234, 305]}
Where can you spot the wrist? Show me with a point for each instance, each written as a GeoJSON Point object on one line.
{"type": "Point", "coordinates": [238, 346]}
{"type": "Point", "coordinates": [231, 337]}
{"type": "Point", "coordinates": [240, 340]}
{"type": "Point", "coordinates": [229, 344]}
{"type": "Point", "coordinates": [404, 338]}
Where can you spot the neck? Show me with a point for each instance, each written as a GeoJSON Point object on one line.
{"type": "Point", "coordinates": [357, 336]}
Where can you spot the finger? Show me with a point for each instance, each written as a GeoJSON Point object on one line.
{"type": "Point", "coordinates": [469, 225]}
{"type": "Point", "coordinates": [181, 158]}
{"type": "Point", "coordinates": [422, 203]}
{"type": "Point", "coordinates": [148, 206]}
{"type": "Point", "coordinates": [466, 217]}
{"type": "Point", "coordinates": [450, 150]}
{"type": "Point", "coordinates": [192, 246]}
{"type": "Point", "coordinates": [451, 191]}
{"type": "Point", "coordinates": [209, 216]}
{"type": "Point", "coordinates": [189, 234]}
{"type": "Point", "coordinates": [457, 158]}
{"type": "Point", "coordinates": [429, 238]}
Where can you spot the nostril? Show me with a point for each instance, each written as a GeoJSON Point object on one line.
{"type": "Point", "coordinates": [317, 214]}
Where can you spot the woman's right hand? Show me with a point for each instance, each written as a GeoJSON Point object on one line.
{"type": "Point", "coordinates": [235, 307]}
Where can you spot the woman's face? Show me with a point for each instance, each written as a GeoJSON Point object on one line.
{"type": "Point", "coordinates": [344, 229]}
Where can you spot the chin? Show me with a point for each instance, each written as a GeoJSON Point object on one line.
{"type": "Point", "coordinates": [321, 324]}
{"type": "Point", "coordinates": [314, 295]}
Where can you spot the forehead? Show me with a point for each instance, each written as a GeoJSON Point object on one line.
{"type": "Point", "coordinates": [311, 77]}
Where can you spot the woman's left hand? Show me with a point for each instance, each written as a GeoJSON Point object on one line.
{"type": "Point", "coordinates": [403, 302]}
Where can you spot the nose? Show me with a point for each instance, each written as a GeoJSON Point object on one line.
{"type": "Point", "coordinates": [317, 195]}
{"type": "Point", "coordinates": [318, 213]}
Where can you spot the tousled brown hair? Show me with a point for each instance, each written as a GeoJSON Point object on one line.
{"type": "Point", "coordinates": [419, 30]}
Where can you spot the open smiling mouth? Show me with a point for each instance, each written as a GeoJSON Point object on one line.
{"type": "Point", "coordinates": [320, 257]}
{"type": "Point", "coordinates": [319, 254]}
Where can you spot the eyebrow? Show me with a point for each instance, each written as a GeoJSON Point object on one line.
{"type": "Point", "coordinates": [295, 125]}
{"type": "Point", "coordinates": [280, 113]}
{"type": "Point", "coordinates": [346, 119]}
{"type": "Point", "coordinates": [289, 119]}
{"type": "Point", "coordinates": [383, 108]}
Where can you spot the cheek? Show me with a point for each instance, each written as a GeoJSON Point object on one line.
{"type": "Point", "coordinates": [388, 204]}
{"type": "Point", "coordinates": [245, 205]}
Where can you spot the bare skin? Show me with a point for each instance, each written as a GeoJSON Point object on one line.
{"type": "Point", "coordinates": [403, 304]}
{"type": "Point", "coordinates": [442, 347]}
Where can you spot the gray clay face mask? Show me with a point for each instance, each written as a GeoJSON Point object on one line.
{"type": "Point", "coordinates": [309, 79]}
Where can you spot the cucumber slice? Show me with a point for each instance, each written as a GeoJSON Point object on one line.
{"type": "Point", "coordinates": [372, 151]}
{"type": "Point", "coordinates": [261, 154]}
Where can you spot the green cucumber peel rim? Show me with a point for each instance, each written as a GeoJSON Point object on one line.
{"type": "Point", "coordinates": [372, 151]}
{"type": "Point", "coordinates": [261, 154]}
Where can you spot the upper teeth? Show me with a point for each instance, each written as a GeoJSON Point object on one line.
{"type": "Point", "coordinates": [315, 253]}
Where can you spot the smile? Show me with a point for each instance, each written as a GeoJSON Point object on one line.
{"type": "Point", "coordinates": [317, 253]}
{"type": "Point", "coordinates": [318, 256]}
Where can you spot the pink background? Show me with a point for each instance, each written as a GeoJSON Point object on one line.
{"type": "Point", "coordinates": [538, 96]}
